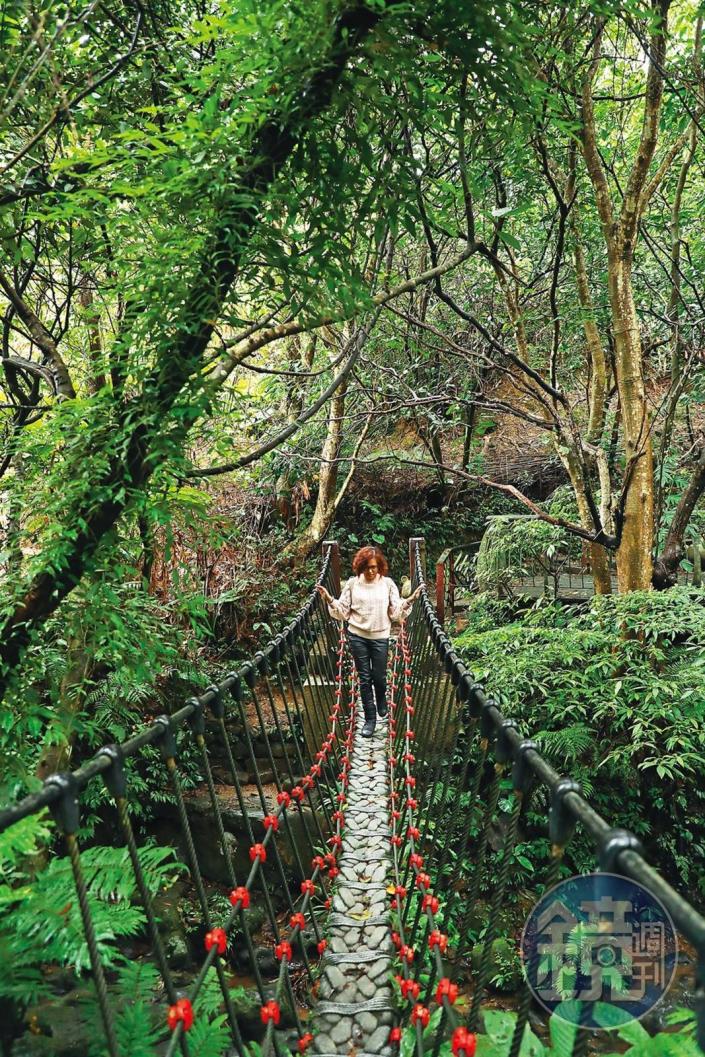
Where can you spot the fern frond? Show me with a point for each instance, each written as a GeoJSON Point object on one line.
{"type": "Point", "coordinates": [571, 742]}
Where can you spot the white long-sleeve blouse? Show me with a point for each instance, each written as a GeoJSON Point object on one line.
{"type": "Point", "coordinates": [370, 608]}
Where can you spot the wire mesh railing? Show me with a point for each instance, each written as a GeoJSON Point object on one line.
{"type": "Point", "coordinates": [294, 702]}
{"type": "Point", "coordinates": [466, 746]}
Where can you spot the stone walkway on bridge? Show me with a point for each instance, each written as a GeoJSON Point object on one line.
{"type": "Point", "coordinates": [355, 1008]}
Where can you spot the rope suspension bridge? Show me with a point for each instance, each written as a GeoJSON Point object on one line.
{"type": "Point", "coordinates": [359, 856]}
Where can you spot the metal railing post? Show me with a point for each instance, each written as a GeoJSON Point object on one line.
{"type": "Point", "coordinates": [413, 543]}
{"type": "Point", "coordinates": [451, 582]}
{"type": "Point", "coordinates": [332, 546]}
{"type": "Point", "coordinates": [441, 589]}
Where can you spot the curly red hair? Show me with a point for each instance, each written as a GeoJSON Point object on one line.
{"type": "Point", "coordinates": [363, 558]}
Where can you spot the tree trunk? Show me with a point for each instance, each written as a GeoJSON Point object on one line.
{"type": "Point", "coordinates": [634, 561]}
{"type": "Point", "coordinates": [325, 508]}
{"type": "Point", "coordinates": [599, 558]}
{"type": "Point", "coordinates": [666, 568]}
{"type": "Point", "coordinates": [91, 317]}
{"type": "Point", "coordinates": [300, 356]}
{"type": "Point", "coordinates": [598, 363]}
{"type": "Point", "coordinates": [634, 555]}
{"type": "Point", "coordinates": [469, 425]}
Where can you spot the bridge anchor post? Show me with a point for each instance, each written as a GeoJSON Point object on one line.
{"type": "Point", "coordinates": [332, 546]}
{"type": "Point", "coordinates": [413, 543]}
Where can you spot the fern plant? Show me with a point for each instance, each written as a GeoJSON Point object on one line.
{"type": "Point", "coordinates": [137, 1002]}
{"type": "Point", "coordinates": [41, 922]}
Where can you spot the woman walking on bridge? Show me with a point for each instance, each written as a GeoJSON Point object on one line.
{"type": "Point", "coordinates": [369, 602]}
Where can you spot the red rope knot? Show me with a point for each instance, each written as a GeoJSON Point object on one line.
{"type": "Point", "coordinates": [400, 891]}
{"type": "Point", "coordinates": [406, 954]}
{"type": "Point", "coordinates": [395, 1035]}
{"type": "Point", "coordinates": [216, 938]}
{"type": "Point", "coordinates": [423, 880]}
{"type": "Point", "coordinates": [270, 1011]}
{"type": "Point", "coordinates": [180, 1013]}
{"type": "Point", "coordinates": [271, 822]}
{"type": "Point", "coordinates": [330, 858]}
{"type": "Point", "coordinates": [308, 887]}
{"type": "Point", "coordinates": [410, 781]}
{"type": "Point", "coordinates": [396, 940]}
{"type": "Point", "coordinates": [416, 860]}
{"type": "Point", "coordinates": [318, 862]}
{"type": "Point", "coordinates": [413, 831]}
{"type": "Point", "coordinates": [430, 902]}
{"type": "Point", "coordinates": [315, 770]}
{"type": "Point", "coordinates": [321, 946]}
{"type": "Point", "coordinates": [306, 782]}
{"type": "Point", "coordinates": [304, 1042]}
{"type": "Point", "coordinates": [240, 896]}
{"type": "Point", "coordinates": [409, 757]}
{"type": "Point", "coordinates": [341, 798]}
{"type": "Point", "coordinates": [448, 990]}
{"type": "Point", "coordinates": [409, 735]}
{"type": "Point", "coordinates": [258, 851]}
{"type": "Point", "coordinates": [283, 950]}
{"type": "Point", "coordinates": [463, 1043]}
{"type": "Point", "coordinates": [336, 841]}
{"type": "Point", "coordinates": [410, 989]}
{"type": "Point", "coordinates": [333, 872]}
{"type": "Point", "coordinates": [438, 939]}
{"type": "Point", "coordinates": [420, 1015]}
{"type": "Point", "coordinates": [297, 793]}
{"type": "Point", "coordinates": [338, 816]}
{"type": "Point", "coordinates": [412, 802]}
{"type": "Point", "coordinates": [396, 815]}
{"type": "Point", "coordinates": [283, 798]}
{"type": "Point", "coordinates": [396, 841]}
{"type": "Point", "coordinates": [297, 921]}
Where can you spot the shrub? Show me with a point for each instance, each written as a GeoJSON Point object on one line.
{"type": "Point", "coordinates": [616, 692]}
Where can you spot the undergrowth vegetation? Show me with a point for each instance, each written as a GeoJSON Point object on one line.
{"type": "Point", "coordinates": [614, 696]}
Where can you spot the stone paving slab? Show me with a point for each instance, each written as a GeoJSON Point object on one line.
{"type": "Point", "coordinates": [355, 1007]}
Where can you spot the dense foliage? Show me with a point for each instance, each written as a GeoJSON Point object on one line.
{"type": "Point", "coordinates": [613, 696]}
{"type": "Point", "coordinates": [276, 270]}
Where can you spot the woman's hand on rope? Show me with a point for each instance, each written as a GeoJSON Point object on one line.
{"type": "Point", "coordinates": [412, 598]}
{"type": "Point", "coordinates": [325, 594]}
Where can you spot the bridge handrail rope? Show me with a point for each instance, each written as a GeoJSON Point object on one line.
{"type": "Point", "coordinates": [445, 736]}
{"type": "Point", "coordinates": [327, 774]}
{"type": "Point", "coordinates": [486, 733]}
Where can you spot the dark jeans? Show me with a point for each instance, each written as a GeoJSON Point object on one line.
{"type": "Point", "coordinates": [370, 656]}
